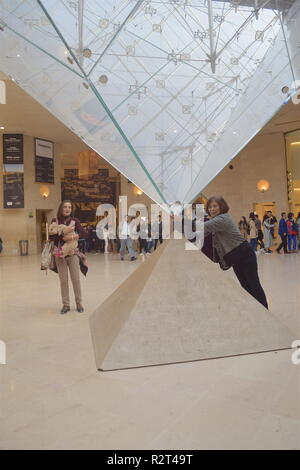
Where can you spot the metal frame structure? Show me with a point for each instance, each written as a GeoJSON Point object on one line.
{"type": "Point", "coordinates": [173, 68]}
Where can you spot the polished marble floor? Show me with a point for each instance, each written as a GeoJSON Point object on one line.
{"type": "Point", "coordinates": [52, 396]}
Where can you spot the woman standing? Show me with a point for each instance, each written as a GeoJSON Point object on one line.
{"type": "Point", "coordinates": [230, 248]}
{"type": "Point", "coordinates": [298, 225]}
{"type": "Point", "coordinates": [244, 227]}
{"type": "Point", "coordinates": [292, 233]}
{"type": "Point", "coordinates": [260, 235]}
{"type": "Point", "coordinates": [253, 231]}
{"type": "Point", "coordinates": [72, 263]}
{"type": "Point", "coordinates": [267, 227]}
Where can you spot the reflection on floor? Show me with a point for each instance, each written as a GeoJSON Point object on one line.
{"type": "Point", "coordinates": [52, 397]}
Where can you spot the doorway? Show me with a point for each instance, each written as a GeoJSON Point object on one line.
{"type": "Point", "coordinates": [262, 208]}
{"type": "Point", "coordinates": [41, 220]}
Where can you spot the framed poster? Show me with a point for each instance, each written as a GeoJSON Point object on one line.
{"type": "Point", "coordinates": [13, 149]}
{"type": "Point", "coordinates": [44, 161]}
{"type": "Point", "coordinates": [13, 186]}
{"type": "Point", "coordinates": [87, 194]}
{"type": "Point", "coordinates": [13, 171]}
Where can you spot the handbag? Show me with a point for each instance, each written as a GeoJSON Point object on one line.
{"type": "Point", "coordinates": [47, 257]}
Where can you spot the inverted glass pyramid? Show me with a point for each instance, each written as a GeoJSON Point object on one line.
{"type": "Point", "coordinates": [167, 91]}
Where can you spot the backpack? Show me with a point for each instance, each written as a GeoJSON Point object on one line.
{"type": "Point", "coordinates": [295, 227]}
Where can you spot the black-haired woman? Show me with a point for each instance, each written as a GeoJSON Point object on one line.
{"type": "Point", "coordinates": [268, 226]}
{"type": "Point", "coordinates": [230, 249]}
{"type": "Point", "coordinates": [73, 263]}
{"type": "Point", "coordinates": [253, 231]}
{"type": "Point", "coordinates": [244, 227]}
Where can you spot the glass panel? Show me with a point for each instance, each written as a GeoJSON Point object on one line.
{"type": "Point", "coordinates": [167, 92]}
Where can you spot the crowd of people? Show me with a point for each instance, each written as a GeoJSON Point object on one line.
{"type": "Point", "coordinates": [261, 233]}
{"type": "Point", "coordinates": [225, 242]}
{"type": "Point", "coordinates": [137, 237]}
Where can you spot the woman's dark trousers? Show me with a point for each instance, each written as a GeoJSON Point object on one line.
{"type": "Point", "coordinates": [283, 243]}
{"type": "Point", "coordinates": [246, 272]}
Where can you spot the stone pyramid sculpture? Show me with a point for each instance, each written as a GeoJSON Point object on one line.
{"type": "Point", "coordinates": [179, 306]}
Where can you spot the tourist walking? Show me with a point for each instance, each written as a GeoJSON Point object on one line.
{"type": "Point", "coordinates": [283, 233]}
{"type": "Point", "coordinates": [292, 229]}
{"type": "Point", "coordinates": [126, 240]}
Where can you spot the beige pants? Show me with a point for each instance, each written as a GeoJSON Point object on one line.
{"type": "Point", "coordinates": [71, 263]}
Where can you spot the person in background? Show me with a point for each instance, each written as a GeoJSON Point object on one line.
{"type": "Point", "coordinates": [158, 230]}
{"type": "Point", "coordinates": [260, 234]}
{"type": "Point", "coordinates": [268, 239]}
{"type": "Point", "coordinates": [244, 227]}
{"type": "Point", "coordinates": [292, 230]}
{"type": "Point", "coordinates": [135, 227]}
{"type": "Point", "coordinates": [126, 241]}
{"type": "Point", "coordinates": [90, 237]}
{"type": "Point", "coordinates": [298, 223]}
{"type": "Point", "coordinates": [72, 264]}
{"type": "Point", "coordinates": [145, 239]}
{"type": "Point", "coordinates": [283, 232]}
{"type": "Point", "coordinates": [230, 248]}
{"type": "Point", "coordinates": [108, 245]}
{"type": "Point", "coordinates": [253, 231]}
{"type": "Point", "coordinates": [273, 222]}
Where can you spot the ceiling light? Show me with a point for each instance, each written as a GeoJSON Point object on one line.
{"type": "Point", "coordinates": [87, 52]}
{"type": "Point", "coordinates": [103, 23]}
{"type": "Point", "coordinates": [103, 79]}
{"type": "Point", "coordinates": [2, 128]}
{"type": "Point", "coordinates": [295, 143]}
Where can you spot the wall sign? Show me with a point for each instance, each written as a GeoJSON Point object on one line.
{"type": "Point", "coordinates": [13, 171]}
{"type": "Point", "coordinates": [44, 161]}
{"type": "Point", "coordinates": [13, 149]}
